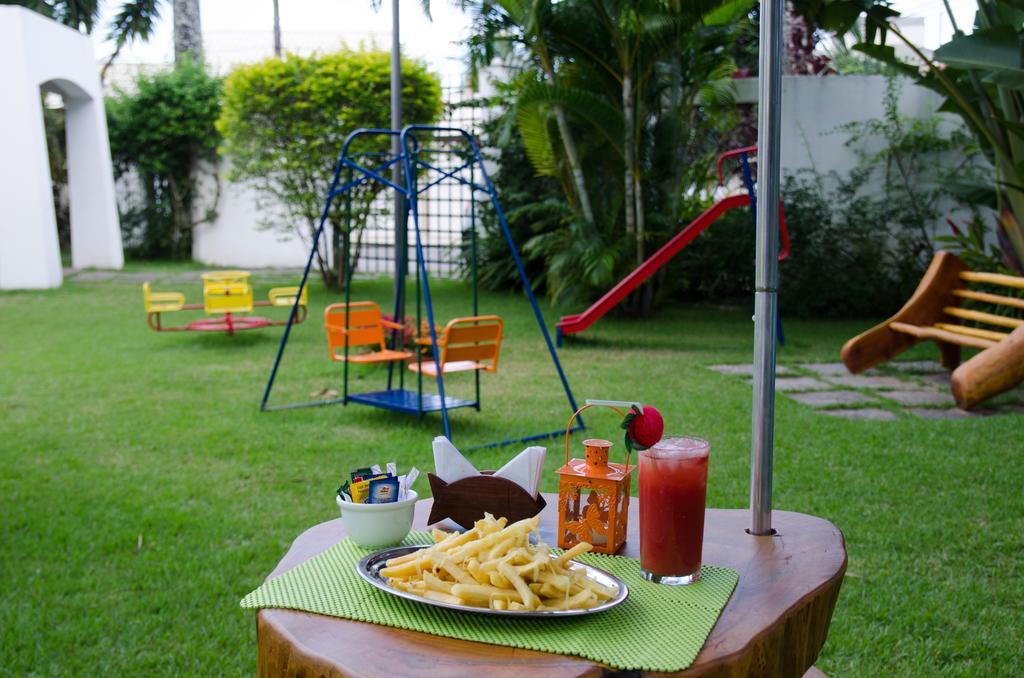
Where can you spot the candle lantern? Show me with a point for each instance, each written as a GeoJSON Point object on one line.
{"type": "Point", "coordinates": [593, 493]}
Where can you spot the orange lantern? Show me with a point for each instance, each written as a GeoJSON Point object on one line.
{"type": "Point", "coordinates": [593, 494]}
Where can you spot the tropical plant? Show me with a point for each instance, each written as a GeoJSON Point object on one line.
{"type": "Point", "coordinates": [618, 101]}
{"type": "Point", "coordinates": [159, 132]}
{"type": "Point", "coordinates": [529, 24]}
{"type": "Point", "coordinates": [284, 122]}
{"type": "Point", "coordinates": [981, 77]}
{"type": "Point", "coordinates": [532, 204]}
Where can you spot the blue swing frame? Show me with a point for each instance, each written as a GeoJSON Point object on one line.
{"type": "Point", "coordinates": [400, 399]}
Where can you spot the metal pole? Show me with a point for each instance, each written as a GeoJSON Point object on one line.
{"type": "Point", "coordinates": [401, 234]}
{"type": "Point", "coordinates": [766, 278]}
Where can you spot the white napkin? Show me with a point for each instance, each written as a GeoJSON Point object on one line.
{"type": "Point", "coordinates": [449, 464]}
{"type": "Point", "coordinates": [524, 470]}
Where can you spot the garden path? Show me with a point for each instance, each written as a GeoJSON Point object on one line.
{"type": "Point", "coordinates": [917, 388]}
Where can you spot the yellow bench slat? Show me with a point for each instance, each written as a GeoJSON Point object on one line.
{"type": "Point", "coordinates": [996, 299]}
{"type": "Point", "coordinates": [942, 335]}
{"type": "Point", "coordinates": [980, 316]}
{"type": "Point", "coordinates": [993, 279]}
{"type": "Point", "coordinates": [973, 331]}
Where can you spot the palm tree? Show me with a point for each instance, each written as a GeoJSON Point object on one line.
{"type": "Point", "coordinates": [527, 21]}
{"type": "Point", "coordinates": [188, 31]}
{"type": "Point", "coordinates": [277, 30]}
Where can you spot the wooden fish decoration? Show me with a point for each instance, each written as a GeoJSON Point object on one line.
{"type": "Point", "coordinates": [467, 500]}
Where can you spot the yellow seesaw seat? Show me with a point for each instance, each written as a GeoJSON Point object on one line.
{"type": "Point", "coordinates": [219, 298]}
{"type": "Point", "coordinates": [161, 302]}
{"type": "Point", "coordinates": [285, 296]}
{"type": "Point", "coordinates": [227, 292]}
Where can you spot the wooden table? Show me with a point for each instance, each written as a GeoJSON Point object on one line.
{"type": "Point", "coordinates": [775, 623]}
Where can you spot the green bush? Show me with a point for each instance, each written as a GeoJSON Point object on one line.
{"type": "Point", "coordinates": [284, 122]}
{"type": "Point", "coordinates": [159, 132]}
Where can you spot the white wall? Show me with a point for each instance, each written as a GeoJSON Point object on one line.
{"type": "Point", "coordinates": [813, 108]}
{"type": "Point", "coordinates": [237, 237]}
{"type": "Point", "coordinates": [36, 53]}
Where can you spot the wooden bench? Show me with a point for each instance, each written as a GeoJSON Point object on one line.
{"type": "Point", "coordinates": [934, 312]}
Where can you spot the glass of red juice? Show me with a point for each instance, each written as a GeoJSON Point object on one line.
{"type": "Point", "coordinates": [673, 490]}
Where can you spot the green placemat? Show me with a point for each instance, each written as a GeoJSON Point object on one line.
{"type": "Point", "coordinates": [657, 628]}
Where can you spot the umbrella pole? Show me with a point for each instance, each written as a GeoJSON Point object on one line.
{"type": "Point", "coordinates": [766, 279]}
{"type": "Point", "coordinates": [401, 225]}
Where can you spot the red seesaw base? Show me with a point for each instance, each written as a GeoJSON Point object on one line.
{"type": "Point", "coordinates": [228, 323]}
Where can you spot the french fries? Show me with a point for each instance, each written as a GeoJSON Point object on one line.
{"type": "Point", "coordinates": [494, 565]}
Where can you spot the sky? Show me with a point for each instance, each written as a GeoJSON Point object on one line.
{"type": "Point", "coordinates": [241, 30]}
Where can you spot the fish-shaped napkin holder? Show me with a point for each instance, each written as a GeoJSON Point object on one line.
{"type": "Point", "coordinates": [467, 500]}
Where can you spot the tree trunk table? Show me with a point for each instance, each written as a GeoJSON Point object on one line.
{"type": "Point", "coordinates": [774, 625]}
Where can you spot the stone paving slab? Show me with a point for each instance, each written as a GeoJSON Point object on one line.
{"type": "Point", "coordinates": [933, 413]}
{"type": "Point", "coordinates": [745, 370]}
{"type": "Point", "coordinates": [860, 381]}
{"type": "Point", "coordinates": [940, 380]}
{"type": "Point", "coordinates": [800, 384]}
{"type": "Point", "coordinates": [830, 398]}
{"type": "Point", "coordinates": [919, 397]}
{"type": "Point", "coordinates": [1016, 394]}
{"type": "Point", "coordinates": [866, 414]}
{"type": "Point", "coordinates": [826, 369]}
{"type": "Point", "coordinates": [917, 366]}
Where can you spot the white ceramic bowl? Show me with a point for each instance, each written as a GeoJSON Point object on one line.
{"type": "Point", "coordinates": [376, 525]}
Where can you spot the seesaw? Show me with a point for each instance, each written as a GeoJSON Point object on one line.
{"type": "Point", "coordinates": [227, 300]}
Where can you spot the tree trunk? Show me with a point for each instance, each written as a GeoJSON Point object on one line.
{"type": "Point", "coordinates": [569, 142]}
{"type": "Point", "coordinates": [646, 300]}
{"type": "Point", "coordinates": [627, 146]}
{"type": "Point", "coordinates": [574, 164]}
{"type": "Point", "coordinates": [277, 30]}
{"type": "Point", "coordinates": [188, 32]}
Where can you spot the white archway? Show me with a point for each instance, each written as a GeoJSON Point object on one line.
{"type": "Point", "coordinates": [40, 53]}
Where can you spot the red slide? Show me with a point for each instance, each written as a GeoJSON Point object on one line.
{"type": "Point", "coordinates": [571, 324]}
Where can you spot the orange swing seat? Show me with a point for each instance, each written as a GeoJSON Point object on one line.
{"type": "Point", "coordinates": [466, 344]}
{"type": "Point", "coordinates": [359, 324]}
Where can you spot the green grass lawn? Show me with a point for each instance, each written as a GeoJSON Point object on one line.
{"type": "Point", "coordinates": [142, 493]}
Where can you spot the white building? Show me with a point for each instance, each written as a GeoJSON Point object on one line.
{"type": "Point", "coordinates": [41, 55]}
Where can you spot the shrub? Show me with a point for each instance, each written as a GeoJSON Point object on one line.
{"type": "Point", "coordinates": [158, 134]}
{"type": "Point", "coordinates": [284, 122]}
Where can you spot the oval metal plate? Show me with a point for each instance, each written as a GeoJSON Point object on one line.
{"type": "Point", "coordinates": [369, 569]}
